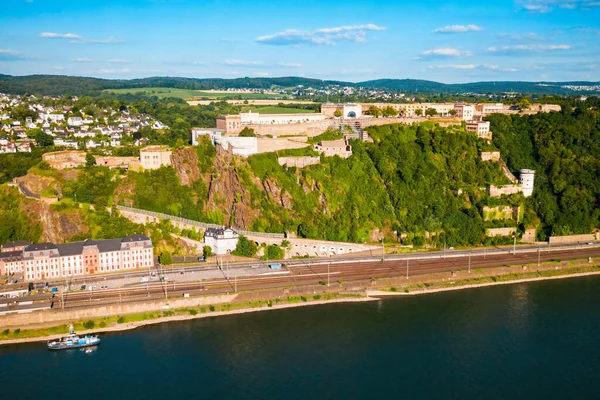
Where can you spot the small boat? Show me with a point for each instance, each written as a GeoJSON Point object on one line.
{"type": "Point", "coordinates": [73, 341]}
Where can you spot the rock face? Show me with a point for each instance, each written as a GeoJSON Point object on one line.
{"type": "Point", "coordinates": [226, 193]}
{"type": "Point", "coordinates": [275, 193]}
{"type": "Point", "coordinates": [57, 227]}
{"type": "Point", "coordinates": [185, 162]}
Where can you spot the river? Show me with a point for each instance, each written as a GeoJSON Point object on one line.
{"type": "Point", "coordinates": [528, 340]}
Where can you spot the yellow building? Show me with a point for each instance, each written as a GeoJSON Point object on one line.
{"type": "Point", "coordinates": [154, 157]}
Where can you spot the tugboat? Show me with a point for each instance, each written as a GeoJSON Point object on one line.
{"type": "Point", "coordinates": [73, 341]}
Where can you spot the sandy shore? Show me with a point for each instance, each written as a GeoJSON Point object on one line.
{"type": "Point", "coordinates": [136, 324]}
{"type": "Point", "coordinates": [381, 293]}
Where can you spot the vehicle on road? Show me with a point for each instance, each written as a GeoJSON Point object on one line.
{"type": "Point", "coordinates": [275, 266]}
{"type": "Point", "coordinates": [83, 287]}
{"type": "Point", "coordinates": [144, 279]}
{"type": "Point", "coordinates": [91, 287]}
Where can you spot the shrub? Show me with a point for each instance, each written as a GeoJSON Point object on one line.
{"type": "Point", "coordinates": [17, 331]}
{"type": "Point", "coordinates": [102, 324]}
{"type": "Point", "coordinates": [302, 298]}
{"type": "Point", "coordinates": [121, 320]}
{"type": "Point", "coordinates": [89, 324]}
{"type": "Point", "coordinates": [5, 332]}
{"type": "Point", "coordinates": [317, 297]}
{"type": "Point", "coordinates": [203, 310]}
{"type": "Point", "coordinates": [211, 308]}
{"type": "Point", "coordinates": [393, 289]}
{"type": "Point", "coordinates": [193, 312]}
{"type": "Point", "coordinates": [167, 313]}
{"type": "Point", "coordinates": [322, 283]}
{"type": "Point", "coordinates": [270, 304]}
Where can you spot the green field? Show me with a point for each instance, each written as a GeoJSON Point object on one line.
{"type": "Point", "coordinates": [186, 94]}
{"type": "Point", "coordinates": [275, 110]}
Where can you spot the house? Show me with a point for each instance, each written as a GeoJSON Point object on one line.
{"type": "Point", "coordinates": [75, 121]}
{"type": "Point", "coordinates": [88, 120]}
{"type": "Point", "coordinates": [154, 157]}
{"type": "Point", "coordinates": [331, 148]}
{"type": "Point", "coordinates": [90, 144]}
{"type": "Point", "coordinates": [159, 125]}
{"type": "Point", "coordinates": [4, 140]}
{"type": "Point", "coordinates": [24, 147]}
{"type": "Point", "coordinates": [221, 240]}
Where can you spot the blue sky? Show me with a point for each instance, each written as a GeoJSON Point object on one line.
{"type": "Point", "coordinates": [445, 41]}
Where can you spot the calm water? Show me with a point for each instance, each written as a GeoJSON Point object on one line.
{"type": "Point", "coordinates": [533, 340]}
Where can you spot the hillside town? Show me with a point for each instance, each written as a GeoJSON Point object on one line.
{"type": "Point", "coordinates": [27, 121]}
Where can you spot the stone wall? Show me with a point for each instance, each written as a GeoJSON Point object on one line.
{"type": "Point", "coordinates": [69, 316]}
{"type": "Point", "coordinates": [499, 212]}
{"type": "Point", "coordinates": [500, 231]}
{"type": "Point", "coordinates": [490, 156]}
{"type": "Point", "coordinates": [571, 239]}
{"type": "Point", "coordinates": [497, 191]}
{"type": "Point", "coordinates": [298, 162]}
{"type": "Point", "coordinates": [271, 145]}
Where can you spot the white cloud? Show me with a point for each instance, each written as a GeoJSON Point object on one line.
{"type": "Point", "coordinates": [262, 74]}
{"type": "Point", "coordinates": [187, 63]}
{"type": "Point", "coordinates": [546, 6]}
{"type": "Point", "coordinates": [324, 36]}
{"type": "Point", "coordinates": [290, 65]}
{"type": "Point", "coordinates": [119, 61]}
{"type": "Point", "coordinates": [528, 47]}
{"type": "Point", "coordinates": [243, 63]}
{"type": "Point", "coordinates": [458, 29]}
{"type": "Point", "coordinates": [83, 59]}
{"type": "Point", "coordinates": [444, 52]}
{"type": "Point", "coordinates": [54, 35]}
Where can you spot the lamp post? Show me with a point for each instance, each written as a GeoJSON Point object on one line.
{"type": "Point", "coordinates": [407, 268]}
{"type": "Point", "coordinates": [469, 262]}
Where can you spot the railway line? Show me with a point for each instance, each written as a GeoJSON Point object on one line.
{"type": "Point", "coordinates": [305, 273]}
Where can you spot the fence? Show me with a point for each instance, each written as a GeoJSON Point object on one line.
{"type": "Point", "coordinates": [204, 225]}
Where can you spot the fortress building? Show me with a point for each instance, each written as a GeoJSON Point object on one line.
{"type": "Point", "coordinates": [526, 179]}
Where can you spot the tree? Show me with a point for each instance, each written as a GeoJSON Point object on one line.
{"type": "Point", "coordinates": [337, 113]}
{"type": "Point", "coordinates": [374, 111]}
{"type": "Point", "coordinates": [43, 139]}
{"type": "Point", "coordinates": [90, 160]}
{"type": "Point", "coordinates": [207, 251]}
{"type": "Point", "coordinates": [274, 252]}
{"type": "Point", "coordinates": [419, 112]}
{"type": "Point", "coordinates": [165, 258]}
{"type": "Point", "coordinates": [430, 112]}
{"type": "Point", "coordinates": [247, 132]}
{"type": "Point", "coordinates": [524, 104]}
{"type": "Point", "coordinates": [452, 112]}
{"type": "Point", "coordinates": [389, 111]}
{"type": "Point", "coordinates": [245, 247]}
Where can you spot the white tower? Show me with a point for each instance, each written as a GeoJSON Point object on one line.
{"type": "Point", "coordinates": [526, 179]}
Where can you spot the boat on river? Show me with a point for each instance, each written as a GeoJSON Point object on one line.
{"type": "Point", "coordinates": [73, 341]}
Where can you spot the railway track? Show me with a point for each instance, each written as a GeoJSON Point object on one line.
{"type": "Point", "coordinates": [305, 274]}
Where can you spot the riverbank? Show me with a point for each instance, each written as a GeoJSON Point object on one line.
{"type": "Point", "coordinates": [429, 290]}
{"type": "Point", "coordinates": [385, 287]}
{"type": "Point", "coordinates": [183, 315]}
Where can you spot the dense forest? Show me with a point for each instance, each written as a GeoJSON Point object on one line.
{"type": "Point", "coordinates": [58, 85]}
{"type": "Point", "coordinates": [564, 149]}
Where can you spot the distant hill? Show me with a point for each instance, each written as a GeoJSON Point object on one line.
{"type": "Point", "coordinates": [57, 85]}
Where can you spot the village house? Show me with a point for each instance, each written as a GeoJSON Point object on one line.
{"type": "Point", "coordinates": [154, 157]}
{"type": "Point", "coordinates": [221, 240]}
